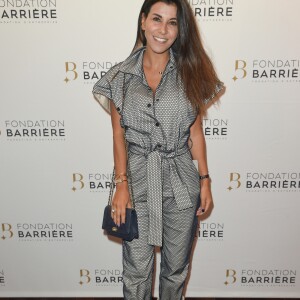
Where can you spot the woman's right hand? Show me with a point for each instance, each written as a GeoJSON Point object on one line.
{"type": "Point", "coordinates": [121, 200]}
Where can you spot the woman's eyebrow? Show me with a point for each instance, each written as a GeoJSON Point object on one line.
{"type": "Point", "coordinates": [157, 15]}
{"type": "Point", "coordinates": [161, 16]}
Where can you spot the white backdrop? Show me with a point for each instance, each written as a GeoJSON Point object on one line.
{"type": "Point", "coordinates": [56, 148]}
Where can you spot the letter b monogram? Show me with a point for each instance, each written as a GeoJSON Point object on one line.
{"type": "Point", "coordinates": [84, 273]}
{"type": "Point", "coordinates": [6, 228]}
{"type": "Point", "coordinates": [70, 67]}
{"type": "Point", "coordinates": [77, 177]}
{"type": "Point", "coordinates": [234, 177]}
{"type": "Point", "coordinates": [240, 67]}
{"type": "Point", "coordinates": [230, 274]}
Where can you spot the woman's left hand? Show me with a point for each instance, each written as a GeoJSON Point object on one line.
{"type": "Point", "coordinates": [205, 196]}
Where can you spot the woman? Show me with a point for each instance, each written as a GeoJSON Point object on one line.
{"type": "Point", "coordinates": [158, 97]}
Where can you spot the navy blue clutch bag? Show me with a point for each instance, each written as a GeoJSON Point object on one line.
{"type": "Point", "coordinates": [127, 231]}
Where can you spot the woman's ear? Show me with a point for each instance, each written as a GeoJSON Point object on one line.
{"type": "Point", "coordinates": [143, 21]}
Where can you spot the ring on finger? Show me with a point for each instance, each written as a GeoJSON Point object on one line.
{"type": "Point", "coordinates": [113, 211]}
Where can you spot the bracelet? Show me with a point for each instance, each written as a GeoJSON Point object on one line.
{"type": "Point", "coordinates": [119, 180]}
{"type": "Point", "coordinates": [204, 176]}
{"type": "Point", "coordinates": [118, 175]}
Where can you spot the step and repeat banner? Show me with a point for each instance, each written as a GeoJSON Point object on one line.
{"type": "Point", "coordinates": [56, 148]}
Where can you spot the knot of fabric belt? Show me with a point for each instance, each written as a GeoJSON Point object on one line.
{"type": "Point", "coordinates": [155, 187]}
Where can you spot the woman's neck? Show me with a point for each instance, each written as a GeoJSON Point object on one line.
{"type": "Point", "coordinates": [155, 61]}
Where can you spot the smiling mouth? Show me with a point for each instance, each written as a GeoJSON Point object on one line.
{"type": "Point", "coordinates": [160, 40]}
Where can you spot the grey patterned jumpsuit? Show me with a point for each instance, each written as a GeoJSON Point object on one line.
{"type": "Point", "coordinates": [165, 180]}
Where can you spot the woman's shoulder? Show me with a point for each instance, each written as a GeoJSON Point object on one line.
{"type": "Point", "coordinates": [123, 66]}
{"type": "Point", "coordinates": [112, 72]}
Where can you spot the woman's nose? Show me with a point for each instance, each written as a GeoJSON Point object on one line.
{"type": "Point", "coordinates": [163, 28]}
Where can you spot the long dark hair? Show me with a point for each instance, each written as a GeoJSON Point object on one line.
{"type": "Point", "coordinates": [195, 67]}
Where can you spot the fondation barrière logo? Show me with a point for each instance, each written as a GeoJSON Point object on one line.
{"type": "Point", "coordinates": [276, 70]}
{"type": "Point", "coordinates": [86, 71]}
{"type": "Point", "coordinates": [265, 181]}
{"type": "Point", "coordinates": [93, 182]}
{"type": "Point", "coordinates": [100, 277]}
{"type": "Point", "coordinates": [37, 232]}
{"type": "Point", "coordinates": [211, 231]}
{"type": "Point", "coordinates": [28, 11]}
{"type": "Point", "coordinates": [272, 278]}
{"type": "Point", "coordinates": [213, 10]}
{"type": "Point", "coordinates": [215, 128]}
{"type": "Point", "coordinates": [34, 130]}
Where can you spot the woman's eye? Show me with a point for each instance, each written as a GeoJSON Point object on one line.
{"type": "Point", "coordinates": [156, 19]}
{"type": "Point", "coordinates": [173, 23]}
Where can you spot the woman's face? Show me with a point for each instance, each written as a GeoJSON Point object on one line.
{"type": "Point", "coordinates": [160, 27]}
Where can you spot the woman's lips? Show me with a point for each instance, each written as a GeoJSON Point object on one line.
{"type": "Point", "coordinates": [160, 40]}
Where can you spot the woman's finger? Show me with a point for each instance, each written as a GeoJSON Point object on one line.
{"type": "Point", "coordinates": [129, 205]}
{"type": "Point", "coordinates": [115, 216]}
{"type": "Point", "coordinates": [123, 215]}
{"type": "Point", "coordinates": [118, 217]}
{"type": "Point", "coordinates": [207, 205]}
{"type": "Point", "coordinates": [203, 205]}
{"type": "Point", "coordinates": [112, 212]}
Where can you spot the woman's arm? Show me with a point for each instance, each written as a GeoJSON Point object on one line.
{"type": "Point", "coordinates": [198, 152]}
{"type": "Point", "coordinates": [121, 198]}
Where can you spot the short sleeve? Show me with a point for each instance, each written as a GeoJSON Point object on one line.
{"type": "Point", "coordinates": [109, 88]}
{"type": "Point", "coordinates": [219, 86]}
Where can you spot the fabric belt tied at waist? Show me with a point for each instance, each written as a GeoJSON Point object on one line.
{"type": "Point", "coordinates": [155, 186]}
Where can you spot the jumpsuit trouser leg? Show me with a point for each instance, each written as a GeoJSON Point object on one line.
{"type": "Point", "coordinates": [179, 229]}
{"type": "Point", "coordinates": [138, 260]}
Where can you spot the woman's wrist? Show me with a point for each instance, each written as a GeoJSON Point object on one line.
{"type": "Point", "coordinates": [120, 178]}
{"type": "Point", "coordinates": [204, 180]}
{"type": "Point", "coordinates": [203, 177]}
{"type": "Point", "coordinates": [122, 185]}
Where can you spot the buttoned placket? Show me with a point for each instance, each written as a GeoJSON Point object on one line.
{"type": "Point", "coordinates": [155, 99]}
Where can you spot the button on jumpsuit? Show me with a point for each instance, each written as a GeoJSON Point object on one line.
{"type": "Point", "coordinates": [165, 181]}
